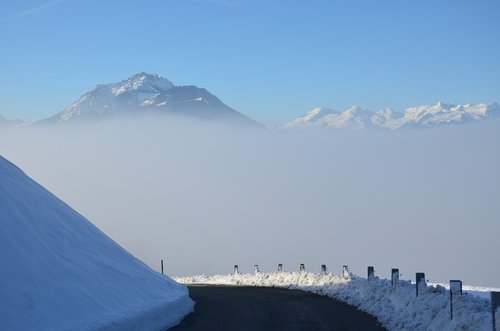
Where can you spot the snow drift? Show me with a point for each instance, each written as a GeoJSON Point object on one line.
{"type": "Point", "coordinates": [396, 308]}
{"type": "Point", "coordinates": [60, 272]}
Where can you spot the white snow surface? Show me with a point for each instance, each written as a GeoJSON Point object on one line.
{"type": "Point", "coordinates": [396, 308]}
{"type": "Point", "coordinates": [59, 272]}
{"type": "Point", "coordinates": [140, 88]}
{"type": "Point", "coordinates": [440, 114]}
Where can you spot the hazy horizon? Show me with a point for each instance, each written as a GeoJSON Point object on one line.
{"type": "Point", "coordinates": [206, 197]}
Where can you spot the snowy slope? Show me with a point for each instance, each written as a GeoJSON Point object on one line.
{"type": "Point", "coordinates": [396, 308]}
{"type": "Point", "coordinates": [145, 93]}
{"type": "Point", "coordinates": [59, 272]}
{"type": "Point", "coordinates": [440, 114]}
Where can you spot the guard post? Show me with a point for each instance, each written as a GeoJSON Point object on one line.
{"type": "Point", "coordinates": [345, 272]}
{"type": "Point", "coordinates": [495, 303]}
{"type": "Point", "coordinates": [419, 281]}
{"type": "Point", "coordinates": [455, 291]}
{"type": "Point", "coordinates": [371, 273]}
{"type": "Point", "coordinates": [394, 277]}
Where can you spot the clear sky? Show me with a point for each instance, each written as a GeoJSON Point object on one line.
{"type": "Point", "coordinates": [271, 60]}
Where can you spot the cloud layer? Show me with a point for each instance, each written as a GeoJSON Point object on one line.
{"type": "Point", "coordinates": [204, 198]}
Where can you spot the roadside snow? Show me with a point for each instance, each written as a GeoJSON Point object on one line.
{"type": "Point", "coordinates": [59, 272]}
{"type": "Point", "coordinates": [396, 308]}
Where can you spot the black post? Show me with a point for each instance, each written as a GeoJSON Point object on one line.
{"type": "Point", "coordinates": [236, 271]}
{"type": "Point", "coordinates": [302, 267]}
{"type": "Point", "coordinates": [323, 269]}
{"type": "Point", "coordinates": [280, 267]}
{"type": "Point", "coordinates": [345, 272]}
{"type": "Point", "coordinates": [162, 267]}
{"type": "Point", "coordinates": [371, 272]}
{"type": "Point", "coordinates": [394, 276]}
{"type": "Point", "coordinates": [455, 289]}
{"type": "Point", "coordinates": [419, 279]}
{"type": "Point", "coordinates": [495, 303]}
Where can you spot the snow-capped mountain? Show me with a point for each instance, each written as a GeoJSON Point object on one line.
{"type": "Point", "coordinates": [146, 93]}
{"type": "Point", "coordinates": [440, 114]}
{"type": "Point", "coordinates": [354, 117]}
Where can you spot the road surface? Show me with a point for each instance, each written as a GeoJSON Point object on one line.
{"type": "Point", "coordinates": [235, 308]}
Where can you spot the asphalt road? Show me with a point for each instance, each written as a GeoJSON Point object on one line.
{"type": "Point", "coordinates": [235, 308]}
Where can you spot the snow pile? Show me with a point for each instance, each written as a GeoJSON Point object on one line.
{"type": "Point", "coordinates": [60, 272]}
{"type": "Point", "coordinates": [396, 308]}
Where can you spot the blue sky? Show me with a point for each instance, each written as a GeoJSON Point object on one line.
{"type": "Point", "coordinates": [271, 60]}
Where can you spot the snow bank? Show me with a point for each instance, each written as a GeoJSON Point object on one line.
{"type": "Point", "coordinates": [396, 308]}
{"type": "Point", "coordinates": [60, 272]}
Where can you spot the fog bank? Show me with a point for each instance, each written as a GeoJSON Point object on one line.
{"type": "Point", "coordinates": [204, 198]}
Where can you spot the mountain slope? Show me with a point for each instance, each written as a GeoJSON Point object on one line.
{"type": "Point", "coordinates": [440, 114]}
{"type": "Point", "coordinates": [144, 93]}
{"type": "Point", "coordinates": [5, 123]}
{"type": "Point", "coordinates": [60, 272]}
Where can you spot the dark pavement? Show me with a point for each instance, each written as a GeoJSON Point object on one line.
{"type": "Point", "coordinates": [221, 308]}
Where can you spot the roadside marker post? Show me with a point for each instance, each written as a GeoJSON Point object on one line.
{"type": "Point", "coordinates": [455, 290]}
{"type": "Point", "coordinates": [495, 304]}
{"type": "Point", "coordinates": [345, 272]}
{"type": "Point", "coordinates": [394, 277]}
{"type": "Point", "coordinates": [371, 273]}
{"type": "Point", "coordinates": [419, 281]}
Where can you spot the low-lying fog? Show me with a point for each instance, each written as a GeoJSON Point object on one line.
{"type": "Point", "coordinates": [204, 198]}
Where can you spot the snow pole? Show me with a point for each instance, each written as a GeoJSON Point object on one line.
{"type": "Point", "coordinates": [419, 281]}
{"type": "Point", "coordinates": [394, 277]}
{"type": "Point", "coordinates": [455, 290]}
{"type": "Point", "coordinates": [162, 267]}
{"type": "Point", "coordinates": [345, 272]}
{"type": "Point", "coordinates": [371, 273]}
{"type": "Point", "coordinates": [495, 303]}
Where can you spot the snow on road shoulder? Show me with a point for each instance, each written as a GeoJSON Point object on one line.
{"type": "Point", "coordinates": [396, 308]}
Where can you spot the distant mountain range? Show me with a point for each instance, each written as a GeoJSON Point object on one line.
{"type": "Point", "coordinates": [438, 115]}
{"type": "Point", "coordinates": [145, 93]}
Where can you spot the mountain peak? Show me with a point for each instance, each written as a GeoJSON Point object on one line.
{"type": "Point", "coordinates": [149, 93]}
{"type": "Point", "coordinates": [444, 105]}
{"type": "Point", "coordinates": [142, 81]}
